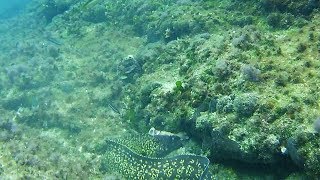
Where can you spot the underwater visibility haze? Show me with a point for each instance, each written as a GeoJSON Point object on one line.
{"type": "Point", "coordinates": [160, 89]}
{"type": "Point", "coordinates": [12, 7]}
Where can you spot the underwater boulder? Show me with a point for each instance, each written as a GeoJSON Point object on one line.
{"type": "Point", "coordinates": [302, 7]}
{"type": "Point", "coordinates": [292, 150]}
{"type": "Point", "coordinates": [129, 68]}
{"type": "Point", "coordinates": [223, 148]}
{"type": "Point", "coordinates": [50, 9]}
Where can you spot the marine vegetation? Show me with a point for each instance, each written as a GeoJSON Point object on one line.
{"type": "Point", "coordinates": [239, 78]}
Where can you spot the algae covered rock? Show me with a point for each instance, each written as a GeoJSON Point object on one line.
{"type": "Point", "coordinates": [52, 8]}
{"type": "Point", "coordinates": [303, 7]}
{"type": "Point", "coordinates": [245, 104]}
{"type": "Point", "coordinates": [129, 68]}
{"type": "Point", "coordinates": [237, 76]}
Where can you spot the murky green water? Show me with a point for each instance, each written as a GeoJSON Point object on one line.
{"type": "Point", "coordinates": [169, 89]}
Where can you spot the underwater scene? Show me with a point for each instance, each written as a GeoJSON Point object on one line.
{"type": "Point", "coordinates": [160, 89]}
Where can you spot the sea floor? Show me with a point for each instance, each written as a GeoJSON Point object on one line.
{"type": "Point", "coordinates": [71, 78]}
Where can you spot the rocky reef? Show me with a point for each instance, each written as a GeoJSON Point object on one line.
{"type": "Point", "coordinates": [239, 78]}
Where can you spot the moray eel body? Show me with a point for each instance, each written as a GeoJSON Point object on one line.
{"type": "Point", "coordinates": [150, 146]}
{"type": "Point", "coordinates": [120, 159]}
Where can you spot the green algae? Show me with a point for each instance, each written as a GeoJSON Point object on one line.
{"type": "Point", "coordinates": [287, 88]}
{"type": "Point", "coordinates": [119, 158]}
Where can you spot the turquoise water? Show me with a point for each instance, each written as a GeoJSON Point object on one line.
{"type": "Point", "coordinates": [150, 89]}
{"type": "Point", "coordinates": [12, 8]}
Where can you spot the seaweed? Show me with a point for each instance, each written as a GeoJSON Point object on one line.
{"type": "Point", "coordinates": [179, 87]}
